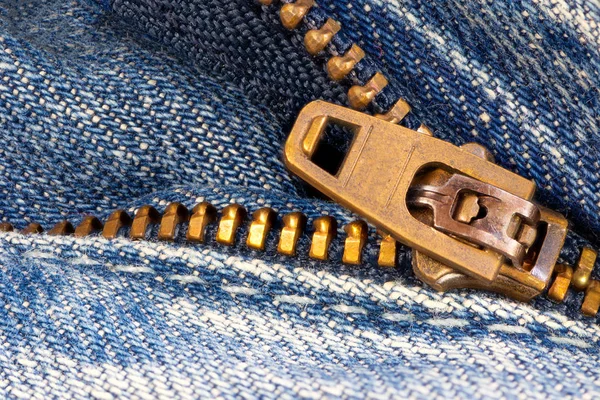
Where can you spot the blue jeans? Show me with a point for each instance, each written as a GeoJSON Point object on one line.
{"type": "Point", "coordinates": [120, 103]}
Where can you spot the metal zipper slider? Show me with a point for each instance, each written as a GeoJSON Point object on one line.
{"type": "Point", "coordinates": [472, 223]}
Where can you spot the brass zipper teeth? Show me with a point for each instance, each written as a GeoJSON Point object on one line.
{"type": "Point", "coordinates": [579, 279]}
{"type": "Point", "coordinates": [340, 66]}
{"type": "Point", "coordinates": [231, 219]}
{"type": "Point", "coordinates": [292, 228]}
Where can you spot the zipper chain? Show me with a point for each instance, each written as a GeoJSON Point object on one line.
{"type": "Point", "coordinates": [340, 67]}
{"type": "Point", "coordinates": [291, 227]}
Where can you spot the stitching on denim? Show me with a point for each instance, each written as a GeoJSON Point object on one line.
{"type": "Point", "coordinates": [391, 290]}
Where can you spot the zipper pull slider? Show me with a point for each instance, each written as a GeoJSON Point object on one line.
{"type": "Point", "coordinates": [471, 222]}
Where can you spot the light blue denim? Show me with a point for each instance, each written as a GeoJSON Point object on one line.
{"type": "Point", "coordinates": [116, 104]}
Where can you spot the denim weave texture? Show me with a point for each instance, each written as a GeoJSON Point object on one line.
{"type": "Point", "coordinates": [113, 104]}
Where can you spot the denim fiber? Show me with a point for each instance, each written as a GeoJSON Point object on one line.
{"type": "Point", "coordinates": [108, 104]}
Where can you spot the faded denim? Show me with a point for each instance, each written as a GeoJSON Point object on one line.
{"type": "Point", "coordinates": [116, 104]}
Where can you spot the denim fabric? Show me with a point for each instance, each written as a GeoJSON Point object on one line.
{"type": "Point", "coordinates": [116, 104]}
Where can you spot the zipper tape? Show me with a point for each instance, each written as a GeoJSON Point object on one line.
{"type": "Point", "coordinates": [362, 72]}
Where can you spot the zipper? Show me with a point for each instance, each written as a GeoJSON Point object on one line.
{"type": "Point", "coordinates": [193, 226]}
{"type": "Point", "coordinates": [470, 223]}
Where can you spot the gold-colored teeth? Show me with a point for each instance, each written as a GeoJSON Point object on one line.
{"type": "Point", "coordinates": [292, 14]}
{"type": "Point", "coordinates": [359, 97]}
{"type": "Point", "coordinates": [262, 221]}
{"type": "Point", "coordinates": [144, 218]}
{"type": "Point", "coordinates": [232, 218]}
{"type": "Point", "coordinates": [203, 214]}
{"type": "Point", "coordinates": [63, 228]}
{"type": "Point", "coordinates": [316, 40]}
{"type": "Point", "coordinates": [174, 215]}
{"type": "Point", "coordinates": [32, 229]}
{"type": "Point", "coordinates": [388, 251]}
{"type": "Point", "coordinates": [578, 278]}
{"type": "Point", "coordinates": [293, 226]}
{"type": "Point", "coordinates": [88, 226]}
{"type": "Point", "coordinates": [356, 238]}
{"type": "Point", "coordinates": [396, 113]}
{"type": "Point", "coordinates": [115, 222]}
{"type": "Point", "coordinates": [339, 67]}
{"type": "Point", "coordinates": [325, 231]}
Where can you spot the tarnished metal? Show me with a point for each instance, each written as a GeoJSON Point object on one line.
{"type": "Point", "coordinates": [174, 215]}
{"type": "Point", "coordinates": [88, 226]}
{"type": "Point", "coordinates": [518, 283]}
{"type": "Point", "coordinates": [339, 67]}
{"type": "Point", "coordinates": [203, 214]}
{"type": "Point", "coordinates": [316, 40]}
{"type": "Point", "coordinates": [325, 231]}
{"type": "Point", "coordinates": [233, 216]}
{"type": "Point", "coordinates": [360, 97]}
{"type": "Point", "coordinates": [293, 226]}
{"type": "Point", "coordinates": [115, 222]}
{"type": "Point", "coordinates": [262, 220]}
{"type": "Point", "coordinates": [144, 218]}
{"type": "Point", "coordinates": [480, 213]}
{"type": "Point", "coordinates": [380, 168]}
{"type": "Point", "coordinates": [356, 238]}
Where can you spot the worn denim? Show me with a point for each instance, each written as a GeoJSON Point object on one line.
{"type": "Point", "coordinates": [116, 104]}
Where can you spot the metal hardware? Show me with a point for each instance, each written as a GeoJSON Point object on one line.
{"type": "Point", "coordinates": [202, 215]}
{"type": "Point", "coordinates": [521, 284]}
{"type": "Point", "coordinates": [325, 231]}
{"type": "Point", "coordinates": [339, 67]}
{"type": "Point", "coordinates": [397, 113]}
{"type": "Point", "coordinates": [33, 229]}
{"type": "Point", "coordinates": [360, 97]}
{"type": "Point", "coordinates": [62, 228]}
{"type": "Point", "coordinates": [357, 232]}
{"type": "Point", "coordinates": [292, 14]}
{"type": "Point", "coordinates": [174, 215]}
{"type": "Point", "coordinates": [233, 216]}
{"type": "Point", "coordinates": [144, 218]}
{"type": "Point", "coordinates": [583, 271]}
{"type": "Point", "coordinates": [560, 286]}
{"type": "Point", "coordinates": [88, 226]}
{"type": "Point", "coordinates": [480, 213]}
{"type": "Point", "coordinates": [117, 220]}
{"type": "Point", "coordinates": [316, 40]}
{"type": "Point", "coordinates": [388, 253]}
{"type": "Point", "coordinates": [293, 225]}
{"type": "Point", "coordinates": [382, 166]}
{"type": "Point", "coordinates": [262, 221]}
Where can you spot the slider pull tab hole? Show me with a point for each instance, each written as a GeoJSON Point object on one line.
{"type": "Point", "coordinates": [333, 147]}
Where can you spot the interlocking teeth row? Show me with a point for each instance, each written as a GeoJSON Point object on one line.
{"type": "Point", "coordinates": [338, 67]}
{"type": "Point", "coordinates": [579, 279]}
{"type": "Point", "coordinates": [175, 216]}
